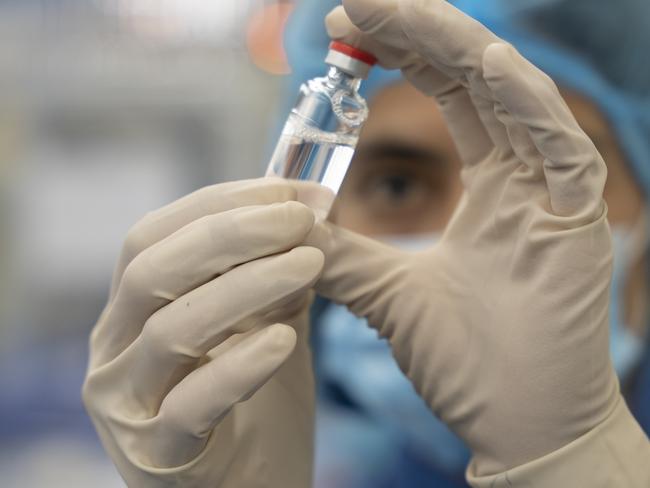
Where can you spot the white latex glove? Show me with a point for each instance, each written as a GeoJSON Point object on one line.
{"type": "Point", "coordinates": [200, 371]}
{"type": "Point", "coordinates": [503, 326]}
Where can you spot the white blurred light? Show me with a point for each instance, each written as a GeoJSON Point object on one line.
{"type": "Point", "coordinates": [183, 19]}
{"type": "Point", "coordinates": [337, 167]}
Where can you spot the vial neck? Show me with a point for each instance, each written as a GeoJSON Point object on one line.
{"type": "Point", "coordinates": [338, 77]}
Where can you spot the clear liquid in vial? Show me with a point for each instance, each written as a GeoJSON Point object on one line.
{"type": "Point", "coordinates": [310, 154]}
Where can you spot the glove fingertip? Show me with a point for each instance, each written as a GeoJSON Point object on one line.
{"type": "Point", "coordinates": [338, 24]}
{"type": "Point", "coordinates": [498, 59]}
{"type": "Point", "coordinates": [512, 78]}
{"type": "Point", "coordinates": [299, 216]}
{"type": "Point", "coordinates": [280, 339]}
{"type": "Point", "coordinates": [309, 260]}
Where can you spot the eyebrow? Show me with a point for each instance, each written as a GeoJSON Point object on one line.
{"type": "Point", "coordinates": [392, 149]}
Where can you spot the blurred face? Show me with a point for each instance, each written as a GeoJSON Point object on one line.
{"type": "Point", "coordinates": [405, 176]}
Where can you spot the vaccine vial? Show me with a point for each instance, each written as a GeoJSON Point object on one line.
{"type": "Point", "coordinates": [318, 139]}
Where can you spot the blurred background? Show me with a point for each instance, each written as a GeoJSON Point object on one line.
{"type": "Point", "coordinates": [112, 108]}
{"type": "Point", "coordinates": [108, 109]}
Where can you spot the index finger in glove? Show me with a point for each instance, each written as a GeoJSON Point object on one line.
{"type": "Point", "coordinates": [209, 200]}
{"type": "Point", "coordinates": [573, 169]}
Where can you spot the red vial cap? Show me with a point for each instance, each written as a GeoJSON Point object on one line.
{"type": "Point", "coordinates": [353, 52]}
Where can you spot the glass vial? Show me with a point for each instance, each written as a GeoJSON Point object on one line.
{"type": "Point", "coordinates": [322, 130]}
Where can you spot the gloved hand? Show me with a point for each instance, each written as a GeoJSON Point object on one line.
{"type": "Point", "coordinates": [503, 326]}
{"type": "Point", "coordinates": [200, 371]}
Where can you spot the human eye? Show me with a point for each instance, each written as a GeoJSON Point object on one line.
{"type": "Point", "coordinates": [393, 188]}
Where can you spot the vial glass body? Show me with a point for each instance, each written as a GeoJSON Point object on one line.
{"type": "Point", "coordinates": [321, 132]}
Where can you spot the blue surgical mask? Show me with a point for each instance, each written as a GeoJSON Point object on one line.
{"type": "Point", "coordinates": [358, 361]}
{"type": "Point", "coordinates": [626, 348]}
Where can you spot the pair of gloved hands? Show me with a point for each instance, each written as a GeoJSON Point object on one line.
{"type": "Point", "coordinates": [200, 371]}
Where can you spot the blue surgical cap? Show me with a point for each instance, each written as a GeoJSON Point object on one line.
{"type": "Point", "coordinates": [598, 48]}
